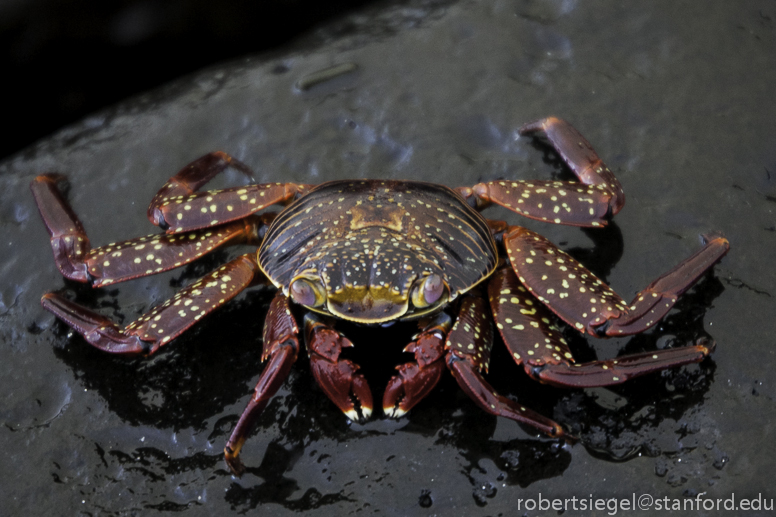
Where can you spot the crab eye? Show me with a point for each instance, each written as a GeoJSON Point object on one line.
{"type": "Point", "coordinates": [306, 291]}
{"type": "Point", "coordinates": [428, 291]}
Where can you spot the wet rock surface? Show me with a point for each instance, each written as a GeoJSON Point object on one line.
{"type": "Point", "coordinates": [677, 99]}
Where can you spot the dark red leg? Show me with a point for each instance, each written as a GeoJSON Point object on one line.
{"type": "Point", "coordinates": [154, 254]}
{"type": "Point", "coordinates": [524, 323]}
{"type": "Point", "coordinates": [468, 351]}
{"type": "Point", "coordinates": [68, 238]}
{"type": "Point", "coordinates": [591, 202]}
{"type": "Point", "coordinates": [134, 258]}
{"type": "Point", "coordinates": [416, 379]}
{"type": "Point", "coordinates": [337, 377]}
{"type": "Point", "coordinates": [651, 304]}
{"type": "Point", "coordinates": [198, 173]}
{"type": "Point", "coordinates": [585, 302]}
{"type": "Point", "coordinates": [556, 202]}
{"type": "Point", "coordinates": [580, 156]}
{"type": "Point", "coordinates": [164, 322]}
{"type": "Point", "coordinates": [536, 343]}
{"type": "Point", "coordinates": [471, 382]}
{"type": "Point", "coordinates": [178, 207]}
{"type": "Point", "coordinates": [616, 371]}
{"type": "Point", "coordinates": [281, 347]}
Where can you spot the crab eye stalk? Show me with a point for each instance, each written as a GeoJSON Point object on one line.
{"type": "Point", "coordinates": [428, 291]}
{"type": "Point", "coordinates": [308, 292]}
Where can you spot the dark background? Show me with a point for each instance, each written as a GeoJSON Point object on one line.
{"type": "Point", "coordinates": [62, 60]}
{"type": "Point", "coordinates": [677, 97]}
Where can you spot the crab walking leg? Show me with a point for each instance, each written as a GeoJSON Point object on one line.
{"type": "Point", "coordinates": [68, 238]}
{"type": "Point", "coordinates": [536, 343]}
{"type": "Point", "coordinates": [198, 173]}
{"type": "Point", "coordinates": [525, 324]}
{"type": "Point", "coordinates": [468, 354]}
{"type": "Point", "coordinates": [558, 202]}
{"type": "Point", "coordinates": [589, 203]}
{"type": "Point", "coordinates": [154, 254]}
{"type": "Point", "coordinates": [215, 207]}
{"type": "Point", "coordinates": [580, 156]}
{"type": "Point", "coordinates": [281, 347]}
{"type": "Point", "coordinates": [337, 377]}
{"type": "Point", "coordinates": [178, 207]}
{"type": "Point", "coordinates": [617, 371]}
{"type": "Point", "coordinates": [164, 322]}
{"type": "Point", "coordinates": [417, 378]}
{"type": "Point", "coordinates": [583, 301]}
{"type": "Point", "coordinates": [121, 261]}
{"type": "Point", "coordinates": [651, 304]}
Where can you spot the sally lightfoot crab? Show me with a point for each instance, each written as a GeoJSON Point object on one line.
{"type": "Point", "coordinates": [375, 252]}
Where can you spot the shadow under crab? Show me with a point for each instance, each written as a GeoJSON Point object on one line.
{"type": "Point", "coordinates": [374, 252]}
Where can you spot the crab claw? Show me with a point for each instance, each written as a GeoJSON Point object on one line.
{"type": "Point", "coordinates": [337, 377]}
{"type": "Point", "coordinates": [346, 388]}
{"type": "Point", "coordinates": [410, 387]}
{"type": "Point", "coordinates": [416, 379]}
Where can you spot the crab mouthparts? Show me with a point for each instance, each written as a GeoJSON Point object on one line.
{"type": "Point", "coordinates": [367, 305]}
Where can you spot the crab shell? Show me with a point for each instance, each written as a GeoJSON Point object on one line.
{"type": "Point", "coordinates": [366, 244]}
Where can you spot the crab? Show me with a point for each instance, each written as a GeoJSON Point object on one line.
{"type": "Point", "coordinates": [376, 252]}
